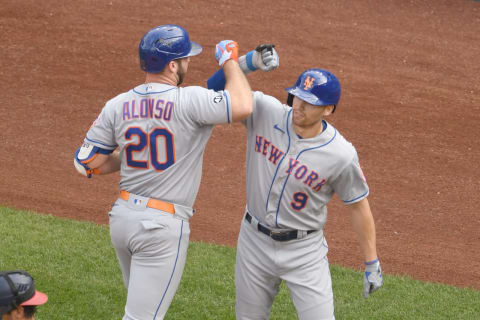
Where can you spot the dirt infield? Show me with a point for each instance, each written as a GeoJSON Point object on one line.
{"type": "Point", "coordinates": [410, 76]}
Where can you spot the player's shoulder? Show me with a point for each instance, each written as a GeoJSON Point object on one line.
{"type": "Point", "coordinates": [140, 90]}
{"type": "Point", "coordinates": [119, 97]}
{"type": "Point", "coordinates": [193, 89]}
{"type": "Point", "coordinates": [265, 101]}
{"type": "Point", "coordinates": [117, 100]}
{"type": "Point", "coordinates": [197, 96]}
{"type": "Point", "coordinates": [344, 147]}
{"type": "Point", "coordinates": [261, 97]}
{"type": "Point", "coordinates": [194, 93]}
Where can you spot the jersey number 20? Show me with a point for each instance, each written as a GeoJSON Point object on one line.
{"type": "Point", "coordinates": [149, 141]}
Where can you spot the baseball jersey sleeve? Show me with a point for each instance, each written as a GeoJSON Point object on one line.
{"type": "Point", "coordinates": [351, 185]}
{"type": "Point", "coordinates": [102, 131]}
{"type": "Point", "coordinates": [206, 107]}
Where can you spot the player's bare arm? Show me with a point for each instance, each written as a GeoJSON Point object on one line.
{"type": "Point", "coordinates": [239, 89]}
{"type": "Point", "coordinates": [364, 226]}
{"type": "Point", "coordinates": [106, 164]}
{"type": "Point", "coordinates": [237, 85]}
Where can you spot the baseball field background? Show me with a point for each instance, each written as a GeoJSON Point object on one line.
{"type": "Point", "coordinates": [410, 76]}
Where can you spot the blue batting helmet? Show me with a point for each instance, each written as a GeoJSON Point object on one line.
{"type": "Point", "coordinates": [316, 86]}
{"type": "Point", "coordinates": [163, 44]}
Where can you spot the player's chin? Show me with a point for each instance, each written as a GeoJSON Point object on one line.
{"type": "Point", "coordinates": [298, 118]}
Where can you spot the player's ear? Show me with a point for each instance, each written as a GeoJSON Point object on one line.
{"type": "Point", "coordinates": [328, 110]}
{"type": "Point", "coordinates": [172, 66]}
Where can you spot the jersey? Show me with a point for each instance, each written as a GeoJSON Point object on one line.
{"type": "Point", "coordinates": [290, 180]}
{"type": "Point", "coordinates": [161, 132]}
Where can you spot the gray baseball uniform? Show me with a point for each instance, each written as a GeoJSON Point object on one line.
{"type": "Point", "coordinates": [161, 132]}
{"type": "Point", "coordinates": [290, 181]}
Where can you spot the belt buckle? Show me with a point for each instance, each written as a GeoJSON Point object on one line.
{"type": "Point", "coordinates": [277, 235]}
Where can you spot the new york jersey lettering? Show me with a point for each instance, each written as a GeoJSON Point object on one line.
{"type": "Point", "coordinates": [300, 171]}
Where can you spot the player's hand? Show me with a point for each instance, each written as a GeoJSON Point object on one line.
{"type": "Point", "coordinates": [84, 169]}
{"type": "Point", "coordinates": [226, 50]}
{"type": "Point", "coordinates": [372, 279]}
{"type": "Point", "coordinates": [265, 57]}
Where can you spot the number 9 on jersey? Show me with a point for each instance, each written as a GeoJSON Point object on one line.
{"type": "Point", "coordinates": [299, 201]}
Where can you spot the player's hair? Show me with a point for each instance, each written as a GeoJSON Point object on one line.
{"type": "Point", "coordinates": [29, 311]}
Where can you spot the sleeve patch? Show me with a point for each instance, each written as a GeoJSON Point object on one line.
{"type": "Point", "coordinates": [217, 99]}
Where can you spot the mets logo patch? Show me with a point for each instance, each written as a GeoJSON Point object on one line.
{"type": "Point", "coordinates": [308, 83]}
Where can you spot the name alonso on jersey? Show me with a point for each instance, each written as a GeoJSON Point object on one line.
{"type": "Point", "coordinates": [148, 109]}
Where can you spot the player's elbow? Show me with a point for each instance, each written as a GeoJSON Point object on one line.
{"type": "Point", "coordinates": [242, 108]}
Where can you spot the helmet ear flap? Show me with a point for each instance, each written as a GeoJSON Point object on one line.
{"type": "Point", "coordinates": [290, 99]}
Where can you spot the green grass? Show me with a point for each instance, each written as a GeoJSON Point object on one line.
{"type": "Point", "coordinates": [75, 264]}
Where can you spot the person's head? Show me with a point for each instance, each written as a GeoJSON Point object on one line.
{"type": "Point", "coordinates": [18, 297]}
{"type": "Point", "coordinates": [315, 94]}
{"type": "Point", "coordinates": [166, 49]}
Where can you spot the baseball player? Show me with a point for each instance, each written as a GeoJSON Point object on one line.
{"type": "Point", "coordinates": [159, 131]}
{"type": "Point", "coordinates": [296, 161]}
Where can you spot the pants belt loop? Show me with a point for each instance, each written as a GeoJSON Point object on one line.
{"type": "Point", "coordinates": [254, 222]}
{"type": "Point", "coordinates": [301, 234]}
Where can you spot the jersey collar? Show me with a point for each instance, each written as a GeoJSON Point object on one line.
{"type": "Point", "coordinates": [153, 87]}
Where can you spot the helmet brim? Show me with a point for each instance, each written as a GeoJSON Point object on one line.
{"type": "Point", "coordinates": [305, 96]}
{"type": "Point", "coordinates": [196, 49]}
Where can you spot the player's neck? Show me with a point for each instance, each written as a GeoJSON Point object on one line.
{"type": "Point", "coordinates": [161, 78]}
{"type": "Point", "coordinates": [308, 131]}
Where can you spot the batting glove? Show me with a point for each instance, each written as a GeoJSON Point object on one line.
{"type": "Point", "coordinates": [264, 57]}
{"type": "Point", "coordinates": [226, 50]}
{"type": "Point", "coordinates": [372, 279]}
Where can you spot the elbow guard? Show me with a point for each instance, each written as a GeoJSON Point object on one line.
{"type": "Point", "coordinates": [84, 155]}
